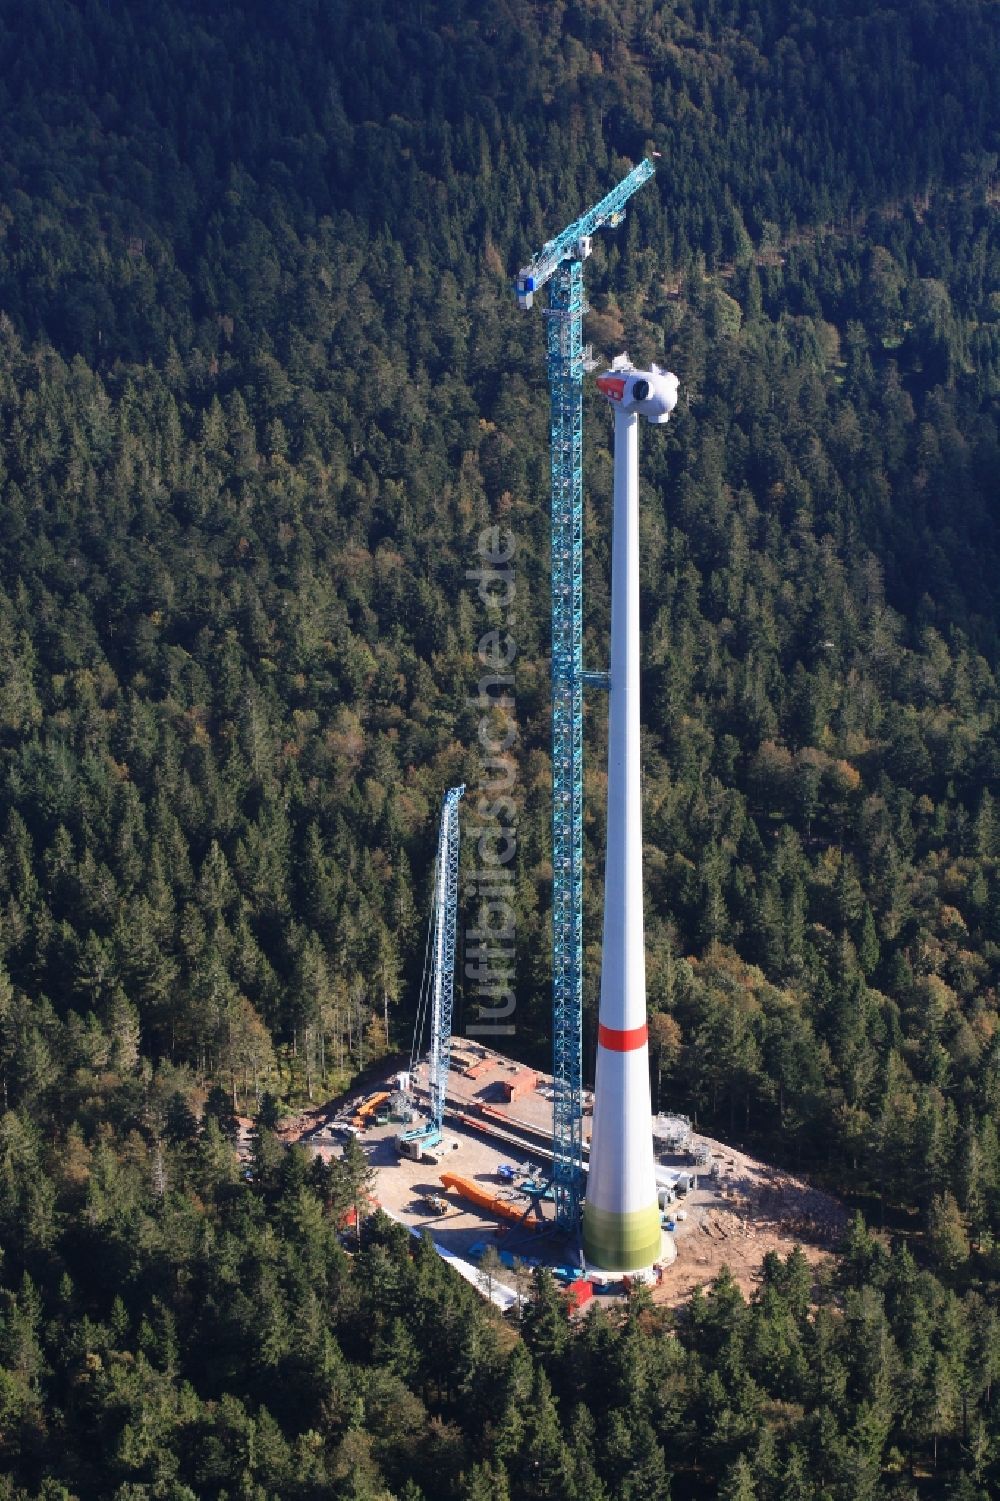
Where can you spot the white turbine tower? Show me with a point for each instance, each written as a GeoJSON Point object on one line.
{"type": "Point", "coordinates": [621, 1217]}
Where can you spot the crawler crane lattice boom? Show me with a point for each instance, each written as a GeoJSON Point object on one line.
{"type": "Point", "coordinates": [422, 1142]}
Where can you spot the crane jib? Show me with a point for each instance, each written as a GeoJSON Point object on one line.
{"type": "Point", "coordinates": [574, 241]}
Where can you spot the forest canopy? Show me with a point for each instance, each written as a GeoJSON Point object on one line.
{"type": "Point", "coordinates": [263, 382]}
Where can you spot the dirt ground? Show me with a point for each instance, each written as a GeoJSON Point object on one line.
{"type": "Point", "coordinates": [732, 1219]}
{"type": "Point", "coordinates": [752, 1209]}
{"type": "Point", "coordinates": [402, 1184]}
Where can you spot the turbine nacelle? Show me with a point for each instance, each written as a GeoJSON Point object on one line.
{"type": "Point", "coordinates": [651, 393]}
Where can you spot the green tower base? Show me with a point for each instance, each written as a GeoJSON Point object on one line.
{"type": "Point", "coordinates": [628, 1242]}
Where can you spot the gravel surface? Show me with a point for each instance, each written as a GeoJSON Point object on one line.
{"type": "Point", "coordinates": [733, 1219]}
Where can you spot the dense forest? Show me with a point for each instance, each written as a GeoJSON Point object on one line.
{"type": "Point", "coordinates": [182, 1336]}
{"type": "Point", "coordinates": [263, 383]}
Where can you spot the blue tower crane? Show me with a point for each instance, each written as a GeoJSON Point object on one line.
{"type": "Point", "coordinates": [560, 264]}
{"type": "Point", "coordinates": [438, 988]}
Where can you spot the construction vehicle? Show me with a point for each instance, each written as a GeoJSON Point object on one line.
{"type": "Point", "coordinates": [425, 1142]}
{"type": "Point", "coordinates": [366, 1111]}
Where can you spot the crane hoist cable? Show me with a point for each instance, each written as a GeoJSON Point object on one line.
{"type": "Point", "coordinates": [438, 983]}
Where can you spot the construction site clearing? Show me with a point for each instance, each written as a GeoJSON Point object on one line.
{"type": "Point", "coordinates": [722, 1208]}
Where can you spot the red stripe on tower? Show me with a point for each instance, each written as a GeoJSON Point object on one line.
{"type": "Point", "coordinates": [622, 1042]}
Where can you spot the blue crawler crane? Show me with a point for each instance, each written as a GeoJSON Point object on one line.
{"type": "Point", "coordinates": [423, 1143]}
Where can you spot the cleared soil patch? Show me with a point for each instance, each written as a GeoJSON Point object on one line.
{"type": "Point", "coordinates": [733, 1218]}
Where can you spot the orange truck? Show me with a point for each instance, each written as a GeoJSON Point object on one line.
{"type": "Point", "coordinates": [368, 1108]}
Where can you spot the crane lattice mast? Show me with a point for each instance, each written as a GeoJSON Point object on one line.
{"type": "Point", "coordinates": [445, 922]}
{"type": "Point", "coordinates": [560, 264]}
{"type": "Point", "coordinates": [438, 987]}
